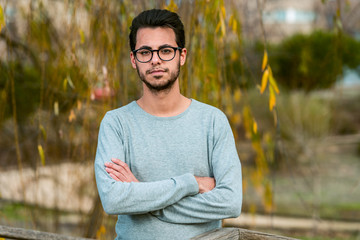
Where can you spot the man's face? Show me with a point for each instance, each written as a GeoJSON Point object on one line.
{"type": "Point", "coordinates": [158, 75]}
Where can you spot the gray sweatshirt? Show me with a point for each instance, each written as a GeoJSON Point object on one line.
{"type": "Point", "coordinates": [164, 154]}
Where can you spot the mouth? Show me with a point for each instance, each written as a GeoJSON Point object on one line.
{"type": "Point", "coordinates": [156, 71]}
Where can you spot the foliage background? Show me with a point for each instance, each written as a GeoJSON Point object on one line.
{"type": "Point", "coordinates": [60, 56]}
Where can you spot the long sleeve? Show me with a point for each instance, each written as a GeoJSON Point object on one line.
{"type": "Point", "coordinates": [133, 198]}
{"type": "Point", "coordinates": [225, 199]}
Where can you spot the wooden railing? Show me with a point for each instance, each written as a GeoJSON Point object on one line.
{"type": "Point", "coordinates": [238, 234]}
{"type": "Point", "coordinates": [217, 234]}
{"type": "Point", "coordinates": [20, 233]}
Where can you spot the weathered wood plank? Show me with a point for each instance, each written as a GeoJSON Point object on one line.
{"type": "Point", "coordinates": [20, 233]}
{"type": "Point", "coordinates": [248, 234]}
{"type": "Point", "coordinates": [238, 234]}
{"type": "Point", "coordinates": [217, 234]}
{"type": "Point", "coordinates": [220, 234]}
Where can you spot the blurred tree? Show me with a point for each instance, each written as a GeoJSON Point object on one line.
{"type": "Point", "coordinates": [314, 61]}
{"type": "Point", "coordinates": [53, 74]}
{"type": "Point", "coordinates": [27, 86]}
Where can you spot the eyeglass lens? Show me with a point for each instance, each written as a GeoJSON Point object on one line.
{"type": "Point", "coordinates": [165, 54]}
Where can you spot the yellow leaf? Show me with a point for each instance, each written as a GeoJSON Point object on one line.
{"type": "Point", "coordinates": [231, 19]}
{"type": "Point", "coordinates": [65, 84]}
{"type": "Point", "coordinates": [223, 10]}
{"type": "Point", "coordinates": [255, 127]}
{"type": "Point", "coordinates": [56, 108]}
{"type": "Point", "coordinates": [223, 27]}
{"type": "Point", "coordinates": [268, 198]}
{"type": "Point", "coordinates": [82, 36]}
{"type": "Point", "coordinates": [265, 61]}
{"type": "Point", "coordinates": [234, 26]}
{"type": "Point", "coordinates": [2, 18]}
{"type": "Point", "coordinates": [41, 154]}
{"type": "Point", "coordinates": [233, 23]}
{"type": "Point", "coordinates": [338, 13]}
{"type": "Point", "coordinates": [43, 132]}
{"type": "Point", "coordinates": [68, 81]}
{"type": "Point", "coordinates": [247, 118]}
{"type": "Point", "coordinates": [218, 27]}
{"type": "Point", "coordinates": [72, 116]}
{"type": "Point", "coordinates": [256, 178]}
{"type": "Point", "coordinates": [79, 105]}
{"type": "Point", "coordinates": [272, 81]}
{"type": "Point", "coordinates": [272, 98]}
{"type": "Point", "coordinates": [100, 232]}
{"type": "Point", "coordinates": [237, 95]}
{"type": "Point", "coordinates": [234, 56]}
{"type": "Point", "coordinates": [236, 118]}
{"type": "Point", "coordinates": [264, 81]}
{"type": "Point", "coordinates": [172, 6]}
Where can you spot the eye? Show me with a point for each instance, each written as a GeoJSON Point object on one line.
{"type": "Point", "coordinates": [144, 52]}
{"type": "Point", "coordinates": [166, 51]}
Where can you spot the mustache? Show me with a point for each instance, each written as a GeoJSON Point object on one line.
{"type": "Point", "coordinates": [156, 69]}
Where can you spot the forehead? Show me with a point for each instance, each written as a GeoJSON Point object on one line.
{"type": "Point", "coordinates": [155, 37]}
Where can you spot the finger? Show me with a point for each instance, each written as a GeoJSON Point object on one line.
{"type": "Point", "coordinates": [114, 166]}
{"type": "Point", "coordinates": [121, 176]}
{"type": "Point", "coordinates": [110, 167]}
{"type": "Point", "coordinates": [114, 177]}
{"type": "Point", "coordinates": [121, 164]}
{"type": "Point", "coordinates": [115, 160]}
{"type": "Point", "coordinates": [124, 170]}
{"type": "Point", "coordinates": [118, 164]}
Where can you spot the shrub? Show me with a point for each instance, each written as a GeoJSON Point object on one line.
{"type": "Point", "coordinates": [309, 62]}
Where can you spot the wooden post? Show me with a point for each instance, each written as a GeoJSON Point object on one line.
{"type": "Point", "coordinates": [238, 234]}
{"type": "Point", "coordinates": [20, 233]}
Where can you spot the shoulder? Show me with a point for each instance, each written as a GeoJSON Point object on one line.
{"type": "Point", "coordinates": [212, 119]}
{"type": "Point", "coordinates": [121, 112]}
{"type": "Point", "coordinates": [119, 116]}
{"type": "Point", "coordinates": [208, 111]}
{"type": "Point", "coordinates": [116, 120]}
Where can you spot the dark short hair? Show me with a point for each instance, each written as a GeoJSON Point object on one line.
{"type": "Point", "coordinates": [157, 18]}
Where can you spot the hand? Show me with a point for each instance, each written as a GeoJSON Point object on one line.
{"type": "Point", "coordinates": [120, 171]}
{"type": "Point", "coordinates": [206, 184]}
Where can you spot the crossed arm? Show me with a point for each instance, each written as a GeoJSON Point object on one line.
{"type": "Point", "coordinates": [120, 171]}
{"type": "Point", "coordinates": [183, 199]}
{"type": "Point", "coordinates": [211, 203]}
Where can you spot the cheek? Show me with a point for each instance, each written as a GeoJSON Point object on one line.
{"type": "Point", "coordinates": [139, 67]}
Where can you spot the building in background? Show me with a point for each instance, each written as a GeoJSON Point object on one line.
{"type": "Point", "coordinates": [283, 18]}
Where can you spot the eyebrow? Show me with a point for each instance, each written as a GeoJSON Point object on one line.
{"type": "Point", "coordinates": [150, 48]}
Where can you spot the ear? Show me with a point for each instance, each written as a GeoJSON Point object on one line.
{"type": "Point", "coordinates": [183, 56]}
{"type": "Point", "coordinates": [133, 60]}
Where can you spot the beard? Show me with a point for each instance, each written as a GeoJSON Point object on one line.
{"type": "Point", "coordinates": [164, 85]}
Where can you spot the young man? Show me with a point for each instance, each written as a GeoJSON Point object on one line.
{"type": "Point", "coordinates": [166, 164]}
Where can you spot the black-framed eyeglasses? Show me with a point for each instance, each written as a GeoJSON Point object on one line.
{"type": "Point", "coordinates": [145, 55]}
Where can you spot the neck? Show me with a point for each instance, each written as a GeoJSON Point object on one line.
{"type": "Point", "coordinates": [165, 103]}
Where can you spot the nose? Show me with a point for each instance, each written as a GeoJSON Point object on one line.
{"type": "Point", "coordinates": [155, 58]}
